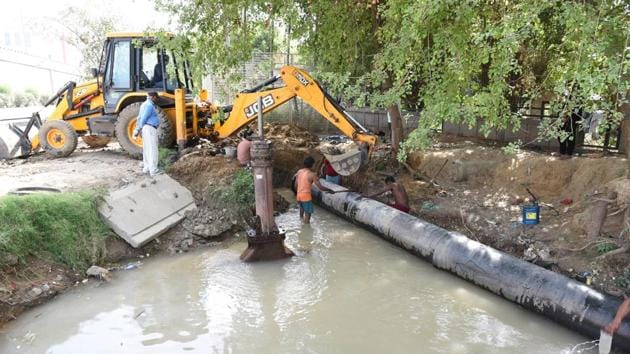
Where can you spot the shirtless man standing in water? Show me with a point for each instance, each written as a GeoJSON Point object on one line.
{"type": "Point", "coordinates": [401, 200]}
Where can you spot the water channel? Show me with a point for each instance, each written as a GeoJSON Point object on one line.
{"type": "Point", "coordinates": [347, 291]}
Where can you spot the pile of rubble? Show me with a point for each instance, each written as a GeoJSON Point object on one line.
{"type": "Point", "coordinates": [210, 221]}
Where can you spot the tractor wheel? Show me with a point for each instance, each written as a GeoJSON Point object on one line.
{"type": "Point", "coordinates": [4, 150]}
{"type": "Point", "coordinates": [126, 124]}
{"type": "Point", "coordinates": [58, 138]}
{"type": "Point", "coordinates": [166, 130]}
{"type": "Point", "coordinates": [95, 141]}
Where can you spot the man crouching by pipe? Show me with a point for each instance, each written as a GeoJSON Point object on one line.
{"type": "Point", "coordinates": [401, 200]}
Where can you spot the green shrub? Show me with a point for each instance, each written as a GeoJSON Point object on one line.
{"type": "Point", "coordinates": [239, 194]}
{"type": "Point", "coordinates": [512, 148]}
{"type": "Point", "coordinates": [166, 157]}
{"type": "Point", "coordinates": [62, 227]}
{"type": "Point", "coordinates": [241, 191]}
{"type": "Point", "coordinates": [606, 247]}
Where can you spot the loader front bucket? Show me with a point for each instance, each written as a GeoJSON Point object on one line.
{"type": "Point", "coordinates": [4, 150]}
{"type": "Point", "coordinates": [347, 163]}
{"type": "Point", "coordinates": [24, 146]}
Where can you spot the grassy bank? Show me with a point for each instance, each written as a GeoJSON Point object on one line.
{"type": "Point", "coordinates": [63, 227]}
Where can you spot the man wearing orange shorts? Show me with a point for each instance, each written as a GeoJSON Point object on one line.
{"type": "Point", "coordinates": [304, 179]}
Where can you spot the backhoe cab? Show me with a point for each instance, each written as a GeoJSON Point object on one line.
{"type": "Point", "coordinates": [131, 65]}
{"type": "Point", "coordinates": [97, 110]}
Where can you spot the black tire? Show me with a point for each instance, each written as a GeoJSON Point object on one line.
{"type": "Point", "coordinates": [166, 130]}
{"type": "Point", "coordinates": [95, 141]}
{"type": "Point", "coordinates": [128, 116]}
{"type": "Point", "coordinates": [58, 138]}
{"type": "Point", "coordinates": [33, 190]}
{"type": "Point", "coordinates": [4, 150]}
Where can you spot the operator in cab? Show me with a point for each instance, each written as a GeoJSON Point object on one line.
{"type": "Point", "coordinates": [160, 67]}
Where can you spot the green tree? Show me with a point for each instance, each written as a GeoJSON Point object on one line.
{"type": "Point", "coordinates": [464, 60]}
{"type": "Point", "coordinates": [5, 89]}
{"type": "Point", "coordinates": [454, 60]}
{"type": "Point", "coordinates": [85, 32]}
{"type": "Point", "coordinates": [339, 39]}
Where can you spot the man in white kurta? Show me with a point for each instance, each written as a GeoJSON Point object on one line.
{"type": "Point", "coordinates": [147, 126]}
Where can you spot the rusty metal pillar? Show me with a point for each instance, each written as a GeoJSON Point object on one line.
{"type": "Point", "coordinates": [267, 241]}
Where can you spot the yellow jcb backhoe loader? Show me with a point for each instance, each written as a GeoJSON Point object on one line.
{"type": "Point", "coordinates": [131, 65]}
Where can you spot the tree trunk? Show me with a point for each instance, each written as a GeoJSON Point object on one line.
{"type": "Point", "coordinates": [598, 214]}
{"type": "Point", "coordinates": [396, 118]}
{"type": "Point", "coordinates": [397, 128]}
{"type": "Point", "coordinates": [624, 143]}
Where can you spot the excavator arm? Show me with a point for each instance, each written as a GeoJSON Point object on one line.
{"type": "Point", "coordinates": [297, 83]}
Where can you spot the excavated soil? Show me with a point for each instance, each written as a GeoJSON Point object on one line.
{"type": "Point", "coordinates": [206, 175]}
{"type": "Point", "coordinates": [481, 190]}
{"type": "Point", "coordinates": [290, 135]}
{"type": "Point", "coordinates": [201, 172]}
{"type": "Point", "coordinates": [291, 144]}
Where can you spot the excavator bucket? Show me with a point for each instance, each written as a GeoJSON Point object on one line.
{"type": "Point", "coordinates": [346, 163]}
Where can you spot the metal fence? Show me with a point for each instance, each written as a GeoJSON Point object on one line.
{"type": "Point", "coordinates": [302, 115]}
{"type": "Point", "coordinates": [528, 132]}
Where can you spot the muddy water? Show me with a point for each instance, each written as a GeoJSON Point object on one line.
{"type": "Point", "coordinates": [346, 292]}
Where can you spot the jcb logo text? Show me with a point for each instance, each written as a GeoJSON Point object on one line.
{"type": "Point", "coordinates": [301, 78]}
{"type": "Point", "coordinates": [252, 109]}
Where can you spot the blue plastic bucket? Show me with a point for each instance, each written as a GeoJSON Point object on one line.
{"type": "Point", "coordinates": [531, 214]}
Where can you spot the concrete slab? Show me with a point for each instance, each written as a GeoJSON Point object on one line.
{"type": "Point", "coordinates": [142, 211]}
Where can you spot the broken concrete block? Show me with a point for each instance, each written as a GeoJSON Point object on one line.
{"type": "Point", "coordinates": [139, 214]}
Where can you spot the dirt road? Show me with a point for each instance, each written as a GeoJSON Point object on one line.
{"type": "Point", "coordinates": [84, 169]}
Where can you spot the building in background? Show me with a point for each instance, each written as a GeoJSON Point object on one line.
{"type": "Point", "coordinates": [31, 58]}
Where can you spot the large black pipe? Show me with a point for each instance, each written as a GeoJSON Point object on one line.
{"type": "Point", "coordinates": [553, 295]}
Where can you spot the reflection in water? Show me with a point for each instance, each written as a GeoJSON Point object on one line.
{"type": "Point", "coordinates": [346, 291]}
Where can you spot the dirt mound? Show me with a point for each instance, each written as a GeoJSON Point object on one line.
{"type": "Point", "coordinates": [547, 176]}
{"type": "Point", "coordinates": [290, 135]}
{"type": "Point", "coordinates": [198, 173]}
{"type": "Point", "coordinates": [481, 191]}
{"type": "Point", "coordinates": [208, 177]}
{"type": "Point", "coordinates": [555, 179]}
{"type": "Point", "coordinates": [287, 160]}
